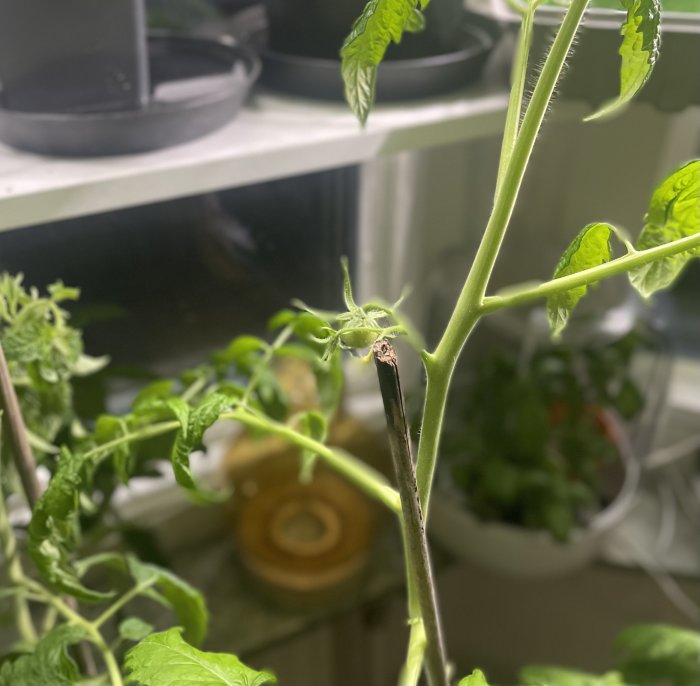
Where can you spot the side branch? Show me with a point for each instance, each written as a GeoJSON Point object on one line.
{"type": "Point", "coordinates": [587, 277]}
{"type": "Point", "coordinates": [367, 479]}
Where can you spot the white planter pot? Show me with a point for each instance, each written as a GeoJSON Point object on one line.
{"type": "Point", "coordinates": [519, 552]}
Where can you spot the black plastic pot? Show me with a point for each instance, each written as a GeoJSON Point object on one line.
{"type": "Point", "coordinates": [73, 55]}
{"type": "Point", "coordinates": [198, 86]}
{"type": "Point", "coordinates": [594, 67]}
{"type": "Point", "coordinates": [424, 65]}
{"type": "Point", "coordinates": [317, 28]}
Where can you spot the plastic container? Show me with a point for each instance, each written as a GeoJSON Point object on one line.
{"type": "Point", "coordinates": [73, 55]}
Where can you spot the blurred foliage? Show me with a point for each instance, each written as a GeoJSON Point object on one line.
{"type": "Point", "coordinates": [529, 441]}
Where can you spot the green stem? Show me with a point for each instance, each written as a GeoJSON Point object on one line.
{"type": "Point", "coordinates": [141, 434]}
{"type": "Point", "coordinates": [362, 475]}
{"type": "Point", "coordinates": [436, 390]}
{"type": "Point", "coordinates": [23, 618]}
{"type": "Point", "coordinates": [92, 632]}
{"type": "Point", "coordinates": [516, 296]}
{"type": "Point", "coordinates": [122, 601]}
{"type": "Point", "coordinates": [281, 339]}
{"type": "Point", "coordinates": [194, 388]}
{"type": "Point", "coordinates": [440, 365]}
{"type": "Point", "coordinates": [517, 91]}
{"type": "Point", "coordinates": [411, 670]}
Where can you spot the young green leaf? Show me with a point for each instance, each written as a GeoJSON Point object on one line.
{"type": "Point", "coordinates": [49, 664]}
{"type": "Point", "coordinates": [381, 22]}
{"type": "Point", "coordinates": [589, 249]}
{"type": "Point", "coordinates": [476, 678]}
{"type": "Point", "coordinates": [164, 659]}
{"type": "Point", "coordinates": [193, 424]}
{"type": "Point", "coordinates": [187, 603]}
{"type": "Point", "coordinates": [53, 528]}
{"type": "Point", "coordinates": [239, 350]}
{"type": "Point", "coordinates": [641, 38]}
{"type": "Point", "coordinates": [674, 212]}
{"type": "Point", "coordinates": [134, 629]}
{"type": "Point", "coordinates": [558, 676]}
{"type": "Point", "coordinates": [659, 653]}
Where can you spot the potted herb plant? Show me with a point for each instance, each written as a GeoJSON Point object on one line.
{"type": "Point", "coordinates": [59, 609]}
{"type": "Point", "coordinates": [540, 466]}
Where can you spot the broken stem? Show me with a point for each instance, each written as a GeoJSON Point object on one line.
{"type": "Point", "coordinates": [414, 532]}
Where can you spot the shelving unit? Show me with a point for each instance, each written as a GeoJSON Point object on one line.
{"type": "Point", "coordinates": [273, 137]}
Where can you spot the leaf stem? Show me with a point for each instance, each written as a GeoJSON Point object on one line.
{"type": "Point", "coordinates": [362, 475]}
{"type": "Point", "coordinates": [15, 573]}
{"type": "Point", "coordinates": [122, 601]}
{"type": "Point", "coordinates": [588, 276]}
{"type": "Point", "coordinates": [517, 91]}
{"type": "Point", "coordinates": [414, 532]}
{"type": "Point", "coordinates": [411, 670]}
{"type": "Point", "coordinates": [281, 339]}
{"type": "Point", "coordinates": [140, 434]}
{"type": "Point", "coordinates": [92, 632]}
{"type": "Point", "coordinates": [194, 388]}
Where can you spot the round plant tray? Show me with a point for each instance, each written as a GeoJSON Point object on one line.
{"type": "Point", "coordinates": [417, 68]}
{"type": "Point", "coordinates": [197, 85]}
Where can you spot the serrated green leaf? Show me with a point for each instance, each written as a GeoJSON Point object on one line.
{"type": "Point", "coordinates": [476, 678]}
{"type": "Point", "coordinates": [537, 675]}
{"type": "Point", "coordinates": [134, 629]}
{"type": "Point", "coordinates": [53, 528]}
{"type": "Point", "coordinates": [641, 39]}
{"type": "Point", "coordinates": [589, 249]}
{"type": "Point", "coordinates": [193, 424]}
{"type": "Point", "coordinates": [313, 425]}
{"type": "Point", "coordinates": [186, 601]}
{"type": "Point", "coordinates": [674, 212]}
{"type": "Point", "coordinates": [49, 664]}
{"type": "Point", "coordinates": [659, 653]}
{"type": "Point", "coordinates": [381, 22]}
{"type": "Point", "coordinates": [164, 659]}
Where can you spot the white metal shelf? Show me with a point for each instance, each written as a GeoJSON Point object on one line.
{"type": "Point", "coordinates": [273, 137]}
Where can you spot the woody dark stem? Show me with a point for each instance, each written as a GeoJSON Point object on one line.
{"type": "Point", "coordinates": [415, 539]}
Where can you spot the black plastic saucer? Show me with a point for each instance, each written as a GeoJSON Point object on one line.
{"type": "Point", "coordinates": [412, 70]}
{"type": "Point", "coordinates": [197, 86]}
